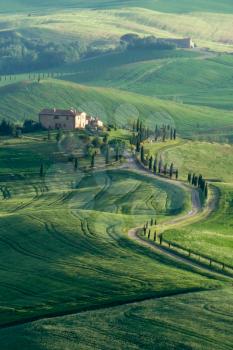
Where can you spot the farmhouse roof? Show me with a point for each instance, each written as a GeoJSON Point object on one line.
{"type": "Point", "coordinates": [66, 112]}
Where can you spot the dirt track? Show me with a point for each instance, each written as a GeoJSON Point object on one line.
{"type": "Point", "coordinates": [196, 209]}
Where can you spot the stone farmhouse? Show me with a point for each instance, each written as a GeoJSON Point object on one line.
{"type": "Point", "coordinates": [185, 43]}
{"type": "Point", "coordinates": [70, 119]}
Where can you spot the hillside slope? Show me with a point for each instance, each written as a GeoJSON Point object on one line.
{"type": "Point", "coordinates": [189, 76]}
{"type": "Point", "coordinates": [25, 100]}
{"type": "Point", "coordinates": [225, 6]}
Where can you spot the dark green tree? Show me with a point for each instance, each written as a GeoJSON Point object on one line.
{"type": "Point", "coordinates": [75, 163]}
{"type": "Point", "coordinates": [189, 178]}
{"type": "Point", "coordinates": [150, 163]}
{"type": "Point", "coordinates": [107, 155]}
{"type": "Point", "coordinates": [142, 155]}
{"type": "Point", "coordinates": [171, 170]}
{"type": "Point", "coordinates": [155, 166]}
{"type": "Point", "coordinates": [93, 160]}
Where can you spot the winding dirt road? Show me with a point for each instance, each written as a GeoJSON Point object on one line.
{"type": "Point", "coordinates": [196, 209]}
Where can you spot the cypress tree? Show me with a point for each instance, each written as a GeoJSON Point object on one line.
{"type": "Point", "coordinates": [150, 163]}
{"type": "Point", "coordinates": [200, 181]}
{"type": "Point", "coordinates": [138, 125]}
{"type": "Point", "coordinates": [174, 134]}
{"type": "Point", "coordinates": [189, 178]}
{"type": "Point", "coordinates": [76, 163]}
{"type": "Point", "coordinates": [156, 133]}
{"type": "Point", "coordinates": [160, 165]}
{"type": "Point", "coordinates": [107, 155]}
{"type": "Point", "coordinates": [138, 145]}
{"type": "Point", "coordinates": [171, 134]}
{"type": "Point", "coordinates": [165, 169]}
{"type": "Point", "coordinates": [206, 190]}
{"type": "Point", "coordinates": [155, 166]}
{"type": "Point", "coordinates": [177, 174]}
{"type": "Point", "coordinates": [171, 170]}
{"type": "Point", "coordinates": [193, 179]}
{"type": "Point", "coordinates": [161, 239]}
{"type": "Point", "coordinates": [93, 160]}
{"type": "Point", "coordinates": [142, 155]}
{"type": "Point", "coordinates": [155, 236]}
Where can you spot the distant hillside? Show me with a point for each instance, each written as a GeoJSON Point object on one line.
{"type": "Point", "coordinates": [184, 76]}
{"type": "Point", "coordinates": [24, 100]}
{"type": "Point", "coordinates": [224, 6]}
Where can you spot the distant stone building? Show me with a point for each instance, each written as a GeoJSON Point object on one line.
{"type": "Point", "coordinates": [67, 119]}
{"type": "Point", "coordinates": [185, 43]}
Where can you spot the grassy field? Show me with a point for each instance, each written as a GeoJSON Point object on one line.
{"type": "Point", "coordinates": [104, 24]}
{"type": "Point", "coordinates": [159, 324]}
{"type": "Point", "coordinates": [26, 99]}
{"type": "Point", "coordinates": [212, 160]}
{"type": "Point", "coordinates": [63, 238]}
{"type": "Point", "coordinates": [182, 76]}
{"type": "Point", "coordinates": [212, 236]}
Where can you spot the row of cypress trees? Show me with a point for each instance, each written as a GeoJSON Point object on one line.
{"type": "Point", "coordinates": [157, 167]}
{"type": "Point", "coordinates": [199, 182]}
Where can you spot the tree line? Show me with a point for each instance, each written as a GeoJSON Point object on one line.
{"type": "Point", "coordinates": [142, 133]}
{"type": "Point", "coordinates": [199, 182]}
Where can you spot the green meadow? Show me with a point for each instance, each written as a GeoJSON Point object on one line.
{"type": "Point", "coordinates": [71, 275]}
{"type": "Point", "coordinates": [64, 242]}
{"type": "Point", "coordinates": [192, 321]}
{"type": "Point", "coordinates": [211, 237]}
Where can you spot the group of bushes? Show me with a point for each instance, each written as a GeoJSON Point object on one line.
{"type": "Point", "coordinates": [134, 41]}
{"type": "Point", "coordinates": [20, 54]}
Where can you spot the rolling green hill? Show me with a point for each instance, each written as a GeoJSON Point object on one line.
{"type": "Point", "coordinates": [165, 322]}
{"type": "Point", "coordinates": [160, 5]}
{"type": "Point", "coordinates": [64, 247]}
{"type": "Point", "coordinates": [26, 99]}
{"type": "Point", "coordinates": [188, 77]}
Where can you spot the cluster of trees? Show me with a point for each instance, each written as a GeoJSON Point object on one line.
{"type": "Point", "coordinates": [158, 167]}
{"type": "Point", "coordinates": [8, 128]}
{"type": "Point", "coordinates": [142, 133]}
{"type": "Point", "coordinates": [148, 231]}
{"type": "Point", "coordinates": [109, 149]}
{"type": "Point", "coordinates": [134, 41]}
{"type": "Point", "coordinates": [21, 54]}
{"type": "Point", "coordinates": [199, 182]}
{"type": "Point", "coordinates": [165, 132]}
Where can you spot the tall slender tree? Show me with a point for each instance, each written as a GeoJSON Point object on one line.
{"type": "Point", "coordinates": [171, 170]}
{"type": "Point", "coordinates": [142, 155]}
